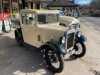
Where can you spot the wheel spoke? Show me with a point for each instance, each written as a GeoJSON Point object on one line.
{"type": "Point", "coordinates": [53, 58]}
{"type": "Point", "coordinates": [78, 49]}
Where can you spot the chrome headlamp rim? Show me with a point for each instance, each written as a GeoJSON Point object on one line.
{"type": "Point", "coordinates": [63, 44]}
{"type": "Point", "coordinates": [63, 40]}
{"type": "Point", "coordinates": [79, 33]}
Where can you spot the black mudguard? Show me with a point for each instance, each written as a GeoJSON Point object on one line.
{"type": "Point", "coordinates": [52, 45]}
{"type": "Point", "coordinates": [81, 38]}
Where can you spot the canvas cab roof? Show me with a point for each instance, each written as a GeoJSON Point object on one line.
{"type": "Point", "coordinates": [41, 11]}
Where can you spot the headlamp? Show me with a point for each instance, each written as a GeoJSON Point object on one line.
{"type": "Point", "coordinates": [63, 40]}
{"type": "Point", "coordinates": [79, 34]}
{"type": "Point", "coordinates": [62, 45]}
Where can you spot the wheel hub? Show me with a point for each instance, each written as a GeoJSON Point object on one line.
{"type": "Point", "coordinates": [78, 48]}
{"type": "Point", "coordinates": [53, 59]}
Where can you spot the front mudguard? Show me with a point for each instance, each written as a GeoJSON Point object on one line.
{"type": "Point", "coordinates": [80, 37]}
{"type": "Point", "coordinates": [53, 44]}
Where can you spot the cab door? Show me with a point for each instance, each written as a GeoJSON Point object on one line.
{"type": "Point", "coordinates": [28, 28]}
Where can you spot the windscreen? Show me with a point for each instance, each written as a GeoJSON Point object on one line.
{"type": "Point", "coordinates": [47, 18]}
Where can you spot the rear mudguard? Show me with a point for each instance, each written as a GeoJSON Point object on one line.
{"type": "Point", "coordinates": [18, 31]}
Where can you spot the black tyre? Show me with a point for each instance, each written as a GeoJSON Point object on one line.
{"type": "Point", "coordinates": [54, 60]}
{"type": "Point", "coordinates": [80, 49]}
{"type": "Point", "coordinates": [19, 38]}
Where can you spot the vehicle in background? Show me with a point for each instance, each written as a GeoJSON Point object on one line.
{"type": "Point", "coordinates": [5, 22]}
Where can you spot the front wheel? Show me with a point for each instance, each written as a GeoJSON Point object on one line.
{"type": "Point", "coordinates": [54, 60]}
{"type": "Point", "coordinates": [80, 49]}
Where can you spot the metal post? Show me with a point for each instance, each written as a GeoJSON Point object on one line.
{"type": "Point", "coordinates": [37, 3]}
{"type": "Point", "coordinates": [73, 1]}
{"type": "Point", "coordinates": [2, 14]}
{"type": "Point", "coordinates": [18, 6]}
{"type": "Point", "coordinates": [23, 4]}
{"type": "Point", "coordinates": [1, 6]}
{"type": "Point", "coordinates": [11, 7]}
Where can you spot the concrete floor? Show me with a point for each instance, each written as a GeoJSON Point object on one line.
{"type": "Point", "coordinates": [16, 60]}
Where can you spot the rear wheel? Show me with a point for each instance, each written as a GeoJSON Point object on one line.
{"type": "Point", "coordinates": [19, 38]}
{"type": "Point", "coordinates": [53, 59]}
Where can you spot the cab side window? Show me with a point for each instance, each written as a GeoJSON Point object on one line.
{"type": "Point", "coordinates": [28, 18]}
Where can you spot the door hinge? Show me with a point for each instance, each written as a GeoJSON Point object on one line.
{"type": "Point", "coordinates": [38, 38]}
